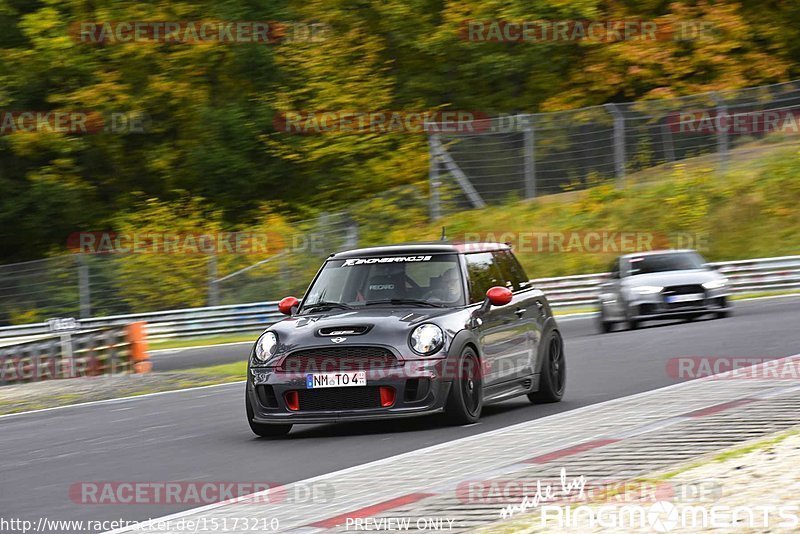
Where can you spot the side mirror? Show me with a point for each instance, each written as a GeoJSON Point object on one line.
{"type": "Point", "coordinates": [287, 305]}
{"type": "Point", "coordinates": [497, 296]}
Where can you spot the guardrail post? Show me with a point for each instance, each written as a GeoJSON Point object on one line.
{"type": "Point", "coordinates": [137, 337]}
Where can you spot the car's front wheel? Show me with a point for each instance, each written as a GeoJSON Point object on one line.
{"type": "Point", "coordinates": [553, 378]}
{"type": "Point", "coordinates": [262, 430]}
{"type": "Point", "coordinates": [605, 326]}
{"type": "Point", "coordinates": [465, 401]}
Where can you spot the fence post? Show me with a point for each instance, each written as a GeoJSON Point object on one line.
{"type": "Point", "coordinates": [619, 143]}
{"type": "Point", "coordinates": [213, 283]}
{"type": "Point", "coordinates": [530, 158]}
{"type": "Point", "coordinates": [433, 179]}
{"type": "Point", "coordinates": [721, 124]}
{"type": "Point", "coordinates": [669, 145]}
{"type": "Point", "coordinates": [84, 289]}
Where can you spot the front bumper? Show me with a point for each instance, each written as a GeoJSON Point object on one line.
{"type": "Point", "coordinates": [655, 307]}
{"type": "Point", "coordinates": [421, 388]}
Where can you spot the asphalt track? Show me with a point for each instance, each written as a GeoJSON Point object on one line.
{"type": "Point", "coordinates": [201, 435]}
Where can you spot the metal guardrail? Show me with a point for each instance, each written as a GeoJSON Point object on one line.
{"type": "Point", "coordinates": [746, 276]}
{"type": "Point", "coordinates": [173, 323]}
{"type": "Point", "coordinates": [101, 351]}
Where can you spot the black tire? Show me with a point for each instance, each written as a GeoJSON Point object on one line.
{"type": "Point", "coordinates": [604, 326]}
{"type": "Point", "coordinates": [465, 400]}
{"type": "Point", "coordinates": [723, 314]}
{"type": "Point", "coordinates": [553, 378]}
{"type": "Point", "coordinates": [262, 430]}
{"type": "Point", "coordinates": [633, 324]}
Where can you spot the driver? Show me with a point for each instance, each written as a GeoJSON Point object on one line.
{"type": "Point", "coordinates": [447, 286]}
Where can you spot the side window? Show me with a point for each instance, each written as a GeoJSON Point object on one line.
{"type": "Point", "coordinates": [510, 270]}
{"type": "Point", "coordinates": [525, 281]}
{"type": "Point", "coordinates": [624, 267]}
{"type": "Point", "coordinates": [483, 274]}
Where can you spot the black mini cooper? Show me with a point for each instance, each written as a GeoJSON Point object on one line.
{"type": "Point", "coordinates": [406, 330]}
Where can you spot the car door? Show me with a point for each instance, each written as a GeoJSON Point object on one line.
{"type": "Point", "coordinates": [529, 309]}
{"type": "Point", "coordinates": [495, 328]}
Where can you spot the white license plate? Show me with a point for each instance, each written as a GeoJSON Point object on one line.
{"type": "Point", "coordinates": [685, 298]}
{"type": "Point", "coordinates": [336, 380]}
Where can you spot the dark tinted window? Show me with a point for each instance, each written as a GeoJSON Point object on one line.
{"type": "Point", "coordinates": [362, 281]}
{"type": "Point", "coordinates": [658, 263]}
{"type": "Point", "coordinates": [511, 270]}
{"type": "Point", "coordinates": [483, 274]}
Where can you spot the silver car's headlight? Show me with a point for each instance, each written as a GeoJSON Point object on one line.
{"type": "Point", "coordinates": [427, 339]}
{"type": "Point", "coordinates": [716, 284]}
{"type": "Point", "coordinates": [266, 346]}
{"type": "Point", "coordinates": [648, 290]}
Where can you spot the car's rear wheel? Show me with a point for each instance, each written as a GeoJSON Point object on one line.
{"type": "Point", "coordinates": [262, 430]}
{"type": "Point", "coordinates": [553, 378]}
{"type": "Point", "coordinates": [465, 401]}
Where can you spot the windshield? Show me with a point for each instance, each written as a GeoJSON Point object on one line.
{"type": "Point", "coordinates": [657, 263]}
{"type": "Point", "coordinates": [392, 281]}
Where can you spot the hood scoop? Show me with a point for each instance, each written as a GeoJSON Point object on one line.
{"type": "Point", "coordinates": [355, 330]}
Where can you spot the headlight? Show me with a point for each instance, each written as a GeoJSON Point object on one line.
{"type": "Point", "coordinates": [427, 339]}
{"type": "Point", "coordinates": [716, 284]}
{"type": "Point", "coordinates": [648, 290]}
{"type": "Point", "coordinates": [266, 346]}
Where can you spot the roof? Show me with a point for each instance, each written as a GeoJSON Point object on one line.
{"type": "Point", "coordinates": [655, 252]}
{"type": "Point", "coordinates": [427, 248]}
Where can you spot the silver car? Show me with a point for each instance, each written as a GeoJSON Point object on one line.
{"type": "Point", "coordinates": [663, 284]}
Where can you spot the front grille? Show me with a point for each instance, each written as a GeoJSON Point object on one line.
{"type": "Point", "coordinates": [352, 398]}
{"type": "Point", "coordinates": [333, 359]}
{"type": "Point", "coordinates": [683, 290]}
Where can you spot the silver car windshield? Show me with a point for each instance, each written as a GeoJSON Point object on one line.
{"type": "Point", "coordinates": [658, 263]}
{"type": "Point", "coordinates": [428, 280]}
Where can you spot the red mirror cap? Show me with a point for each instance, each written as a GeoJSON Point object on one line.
{"type": "Point", "coordinates": [286, 304]}
{"type": "Point", "coordinates": [499, 296]}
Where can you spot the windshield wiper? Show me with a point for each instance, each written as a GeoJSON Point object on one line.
{"type": "Point", "coordinates": [418, 302]}
{"type": "Point", "coordinates": [324, 305]}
